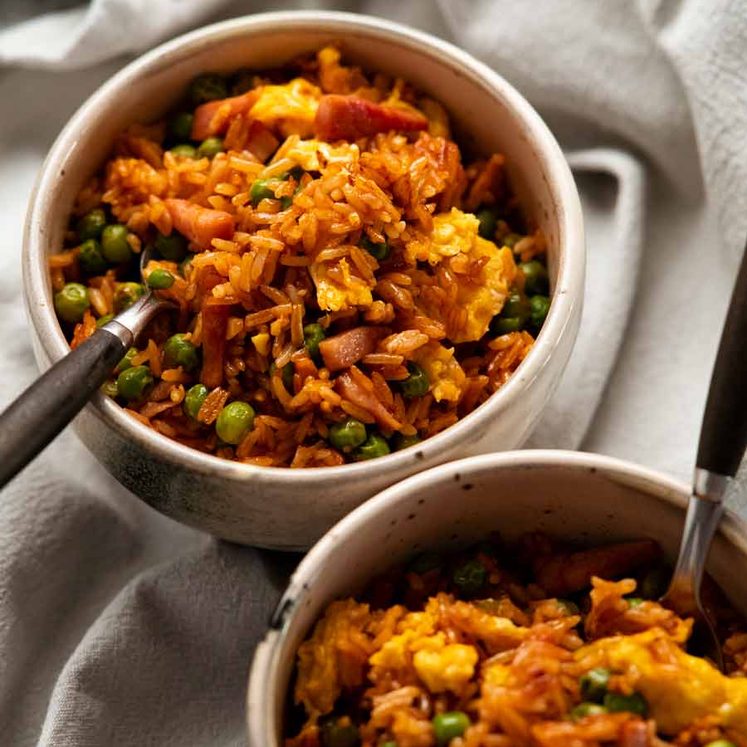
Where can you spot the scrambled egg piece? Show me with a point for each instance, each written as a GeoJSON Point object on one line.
{"type": "Point", "coordinates": [395, 654]}
{"type": "Point", "coordinates": [446, 377]}
{"type": "Point", "coordinates": [453, 233]}
{"type": "Point", "coordinates": [337, 288]}
{"type": "Point", "coordinates": [455, 242]}
{"type": "Point", "coordinates": [679, 688]}
{"type": "Point", "coordinates": [314, 155]}
{"type": "Point", "coordinates": [320, 675]}
{"type": "Point", "coordinates": [445, 666]}
{"type": "Point", "coordinates": [483, 301]}
{"type": "Point", "coordinates": [290, 107]}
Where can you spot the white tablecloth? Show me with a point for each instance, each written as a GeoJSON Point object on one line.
{"type": "Point", "coordinates": [119, 627]}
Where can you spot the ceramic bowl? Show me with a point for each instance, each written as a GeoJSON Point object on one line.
{"type": "Point", "coordinates": [284, 508]}
{"type": "Point", "coordinates": [581, 497]}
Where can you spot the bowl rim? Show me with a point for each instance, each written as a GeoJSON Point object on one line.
{"type": "Point", "coordinates": [264, 662]}
{"type": "Point", "coordinates": [566, 299]}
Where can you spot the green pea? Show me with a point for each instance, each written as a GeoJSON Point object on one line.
{"type": "Point", "coordinates": [634, 703]}
{"type": "Point", "coordinates": [501, 326]}
{"type": "Point", "coordinates": [416, 384]}
{"type": "Point", "coordinates": [234, 422]}
{"type": "Point", "coordinates": [172, 247]}
{"type": "Point", "coordinates": [210, 147]}
{"type": "Point", "coordinates": [178, 351]}
{"type": "Point", "coordinates": [194, 399]}
{"type": "Point", "coordinates": [208, 87]}
{"type": "Point", "coordinates": [109, 388]}
{"type": "Point", "coordinates": [582, 710]}
{"type": "Point", "coordinates": [160, 279]}
{"type": "Point", "coordinates": [348, 434]}
{"type": "Point", "coordinates": [286, 374]}
{"type": "Point", "coordinates": [114, 244]}
{"type": "Point", "coordinates": [180, 126]}
{"type": "Point", "coordinates": [470, 577]}
{"type": "Point", "coordinates": [634, 602]}
{"type": "Point", "coordinates": [378, 251]}
{"type": "Point", "coordinates": [102, 320]}
{"type": "Point", "coordinates": [594, 684]}
{"type": "Point", "coordinates": [400, 442]}
{"type": "Point", "coordinates": [513, 317]}
{"type": "Point", "coordinates": [510, 240]}
{"type": "Point", "coordinates": [71, 302]}
{"type": "Point", "coordinates": [655, 582]}
{"type": "Point", "coordinates": [126, 361]}
{"type": "Point", "coordinates": [286, 202]}
{"type": "Point", "coordinates": [313, 334]}
{"type": "Point", "coordinates": [339, 733]}
{"type": "Point", "coordinates": [721, 743]}
{"type": "Point", "coordinates": [126, 294]}
{"type": "Point", "coordinates": [536, 279]}
{"type": "Point", "coordinates": [91, 224]}
{"type": "Point", "coordinates": [569, 607]}
{"type": "Point", "coordinates": [426, 561]}
{"type": "Point", "coordinates": [133, 382]}
{"type": "Point", "coordinates": [90, 258]}
{"type": "Point", "coordinates": [539, 306]}
{"type": "Point", "coordinates": [488, 223]}
{"type": "Point", "coordinates": [262, 189]}
{"type": "Point", "coordinates": [516, 306]}
{"type": "Point", "coordinates": [184, 151]}
{"type": "Point", "coordinates": [374, 446]}
{"type": "Point", "coordinates": [448, 726]}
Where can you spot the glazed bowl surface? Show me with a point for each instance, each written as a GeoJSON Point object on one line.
{"type": "Point", "coordinates": [278, 507]}
{"type": "Point", "coordinates": [584, 498]}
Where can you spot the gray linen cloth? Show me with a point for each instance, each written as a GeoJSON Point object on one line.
{"type": "Point", "coordinates": [119, 627]}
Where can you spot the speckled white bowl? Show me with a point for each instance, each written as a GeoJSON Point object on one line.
{"type": "Point", "coordinates": [285, 508]}
{"type": "Point", "coordinates": [582, 497]}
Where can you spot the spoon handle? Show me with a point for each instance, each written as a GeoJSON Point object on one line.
{"type": "Point", "coordinates": [54, 399]}
{"type": "Point", "coordinates": [723, 435]}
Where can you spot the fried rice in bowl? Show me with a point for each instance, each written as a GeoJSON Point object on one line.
{"type": "Point", "coordinates": [362, 272]}
{"type": "Point", "coordinates": [502, 600]}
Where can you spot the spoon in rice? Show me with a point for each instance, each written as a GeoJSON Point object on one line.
{"type": "Point", "coordinates": [723, 437]}
{"type": "Point", "coordinates": [38, 415]}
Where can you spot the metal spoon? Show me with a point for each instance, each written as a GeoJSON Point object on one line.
{"type": "Point", "coordinates": [30, 422]}
{"type": "Point", "coordinates": [723, 437]}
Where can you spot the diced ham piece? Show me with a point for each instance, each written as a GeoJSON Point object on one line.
{"type": "Point", "coordinates": [347, 348]}
{"type": "Point", "coordinates": [566, 573]}
{"type": "Point", "coordinates": [354, 386]}
{"type": "Point", "coordinates": [349, 118]}
{"type": "Point", "coordinates": [214, 325]}
{"type": "Point", "coordinates": [199, 224]}
{"type": "Point", "coordinates": [213, 117]}
{"type": "Point", "coordinates": [261, 142]}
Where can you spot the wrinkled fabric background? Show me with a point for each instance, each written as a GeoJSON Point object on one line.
{"type": "Point", "coordinates": [120, 627]}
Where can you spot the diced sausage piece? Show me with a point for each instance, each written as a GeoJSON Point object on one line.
{"type": "Point", "coordinates": [347, 348]}
{"type": "Point", "coordinates": [634, 733]}
{"type": "Point", "coordinates": [570, 572]}
{"type": "Point", "coordinates": [213, 117]}
{"type": "Point", "coordinates": [199, 224]}
{"type": "Point", "coordinates": [355, 387]}
{"type": "Point", "coordinates": [214, 325]}
{"type": "Point", "coordinates": [349, 118]}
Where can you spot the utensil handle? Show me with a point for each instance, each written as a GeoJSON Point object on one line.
{"type": "Point", "coordinates": [53, 400]}
{"type": "Point", "coordinates": [723, 435]}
